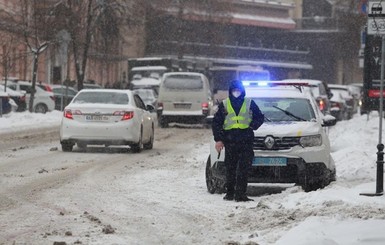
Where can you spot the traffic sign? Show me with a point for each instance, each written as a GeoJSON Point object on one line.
{"type": "Point", "coordinates": [376, 17]}
{"type": "Point", "coordinates": [363, 7]}
{"type": "Point", "coordinates": [376, 9]}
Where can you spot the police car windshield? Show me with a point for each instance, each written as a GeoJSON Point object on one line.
{"type": "Point", "coordinates": [285, 109]}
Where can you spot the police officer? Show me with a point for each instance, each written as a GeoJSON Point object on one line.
{"type": "Point", "coordinates": [233, 126]}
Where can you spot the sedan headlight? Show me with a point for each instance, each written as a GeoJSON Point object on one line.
{"type": "Point", "coordinates": [309, 141]}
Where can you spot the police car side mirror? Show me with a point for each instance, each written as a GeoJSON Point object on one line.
{"type": "Point", "coordinates": [328, 120]}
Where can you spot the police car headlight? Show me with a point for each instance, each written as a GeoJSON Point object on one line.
{"type": "Point", "coordinates": [309, 141]}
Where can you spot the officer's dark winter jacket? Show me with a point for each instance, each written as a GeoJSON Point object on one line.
{"type": "Point", "coordinates": [236, 135]}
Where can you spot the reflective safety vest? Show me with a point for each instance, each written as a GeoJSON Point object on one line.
{"type": "Point", "coordinates": [242, 120]}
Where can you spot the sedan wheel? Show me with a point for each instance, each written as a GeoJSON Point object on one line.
{"type": "Point", "coordinates": [41, 108]}
{"type": "Point", "coordinates": [136, 148]}
{"type": "Point", "coordinates": [82, 146]}
{"type": "Point", "coordinates": [150, 144]}
{"type": "Point", "coordinates": [66, 147]}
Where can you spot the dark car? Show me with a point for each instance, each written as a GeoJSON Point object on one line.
{"type": "Point", "coordinates": [63, 95]}
{"type": "Point", "coordinates": [346, 97]}
{"type": "Point", "coordinates": [320, 91]}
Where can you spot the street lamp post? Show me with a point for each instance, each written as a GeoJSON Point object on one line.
{"type": "Point", "coordinates": [375, 16]}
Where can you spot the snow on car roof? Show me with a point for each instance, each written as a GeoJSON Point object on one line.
{"type": "Point", "coordinates": [309, 81]}
{"type": "Point", "coordinates": [338, 86]}
{"type": "Point", "coordinates": [11, 92]}
{"type": "Point", "coordinates": [275, 93]}
{"type": "Point", "coordinates": [284, 91]}
{"type": "Point", "coordinates": [146, 81]}
{"type": "Point", "coordinates": [182, 73]}
{"type": "Point", "coordinates": [145, 68]}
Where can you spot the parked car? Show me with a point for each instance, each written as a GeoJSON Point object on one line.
{"type": "Point", "coordinates": [63, 95]}
{"type": "Point", "coordinates": [6, 106]}
{"type": "Point", "coordinates": [320, 91]}
{"type": "Point", "coordinates": [184, 97]}
{"type": "Point", "coordinates": [45, 86]}
{"type": "Point", "coordinates": [344, 93]}
{"type": "Point", "coordinates": [107, 117]}
{"type": "Point", "coordinates": [89, 86]}
{"type": "Point", "coordinates": [339, 109]}
{"type": "Point", "coordinates": [145, 82]}
{"type": "Point", "coordinates": [357, 90]}
{"type": "Point", "coordinates": [44, 101]}
{"type": "Point", "coordinates": [291, 146]}
{"type": "Point", "coordinates": [148, 95]}
{"type": "Point", "coordinates": [18, 97]}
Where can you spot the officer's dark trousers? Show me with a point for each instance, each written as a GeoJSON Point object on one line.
{"type": "Point", "coordinates": [238, 158]}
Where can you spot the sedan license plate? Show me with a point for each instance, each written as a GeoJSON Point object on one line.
{"type": "Point", "coordinates": [96, 118]}
{"type": "Point", "coordinates": [269, 161]}
{"type": "Point", "coordinates": [182, 106]}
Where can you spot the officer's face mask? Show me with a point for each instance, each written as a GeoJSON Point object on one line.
{"type": "Point", "coordinates": [236, 93]}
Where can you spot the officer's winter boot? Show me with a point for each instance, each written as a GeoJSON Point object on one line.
{"type": "Point", "coordinates": [229, 196]}
{"type": "Point", "coordinates": [243, 198]}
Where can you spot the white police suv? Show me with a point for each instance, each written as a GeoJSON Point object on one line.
{"type": "Point", "coordinates": [292, 146]}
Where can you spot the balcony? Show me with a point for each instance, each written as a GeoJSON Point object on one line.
{"type": "Point", "coordinates": [318, 24]}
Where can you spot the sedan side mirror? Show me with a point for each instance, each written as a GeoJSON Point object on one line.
{"type": "Point", "coordinates": [150, 108]}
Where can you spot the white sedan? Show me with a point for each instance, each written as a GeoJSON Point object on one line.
{"type": "Point", "coordinates": [107, 117]}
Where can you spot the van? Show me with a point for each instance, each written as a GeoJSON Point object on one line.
{"type": "Point", "coordinates": [184, 97]}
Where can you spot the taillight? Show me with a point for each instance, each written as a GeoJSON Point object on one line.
{"type": "Point", "coordinates": [160, 105]}
{"type": "Point", "coordinates": [321, 105]}
{"type": "Point", "coordinates": [126, 115]}
{"type": "Point", "coordinates": [52, 98]}
{"type": "Point", "coordinates": [22, 98]}
{"type": "Point", "coordinates": [48, 88]}
{"type": "Point", "coordinates": [335, 104]}
{"type": "Point", "coordinates": [205, 108]}
{"type": "Point", "coordinates": [69, 113]}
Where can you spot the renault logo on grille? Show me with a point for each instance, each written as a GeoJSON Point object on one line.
{"type": "Point", "coordinates": [269, 142]}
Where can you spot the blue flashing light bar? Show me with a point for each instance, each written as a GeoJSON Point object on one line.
{"type": "Point", "coordinates": [272, 83]}
{"type": "Point", "coordinates": [255, 83]}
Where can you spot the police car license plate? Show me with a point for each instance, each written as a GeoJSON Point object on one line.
{"type": "Point", "coordinates": [269, 161]}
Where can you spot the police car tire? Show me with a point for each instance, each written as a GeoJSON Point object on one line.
{"type": "Point", "coordinates": [310, 184]}
{"type": "Point", "coordinates": [210, 181]}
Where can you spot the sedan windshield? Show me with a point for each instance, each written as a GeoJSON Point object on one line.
{"type": "Point", "coordinates": [101, 98]}
{"type": "Point", "coordinates": [285, 109]}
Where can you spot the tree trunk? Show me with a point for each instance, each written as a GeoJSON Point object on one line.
{"type": "Point", "coordinates": [34, 74]}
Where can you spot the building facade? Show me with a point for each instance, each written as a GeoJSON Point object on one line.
{"type": "Point", "coordinates": [291, 38]}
